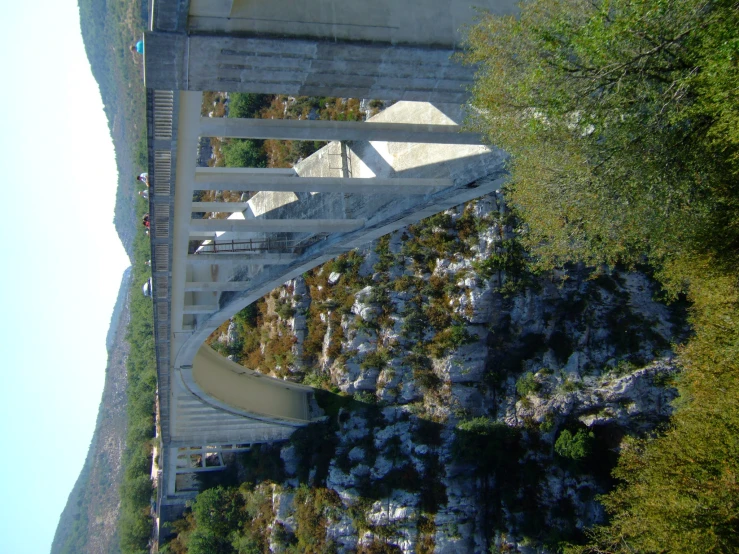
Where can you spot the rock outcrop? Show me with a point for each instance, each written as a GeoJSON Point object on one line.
{"type": "Point", "coordinates": [459, 371]}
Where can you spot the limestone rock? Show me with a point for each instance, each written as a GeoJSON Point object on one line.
{"type": "Point", "coordinates": [363, 307]}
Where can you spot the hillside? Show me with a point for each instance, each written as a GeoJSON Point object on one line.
{"type": "Point", "coordinates": [88, 522]}
{"type": "Point", "coordinates": [108, 29]}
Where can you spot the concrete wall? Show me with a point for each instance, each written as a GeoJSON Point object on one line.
{"type": "Point", "coordinates": [386, 49]}
{"type": "Point", "coordinates": [422, 23]}
{"type": "Point", "coordinates": [246, 390]}
{"type": "Point", "coordinates": [303, 67]}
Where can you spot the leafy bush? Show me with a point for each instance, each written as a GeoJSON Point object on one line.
{"type": "Point", "coordinates": [527, 384]}
{"type": "Point", "coordinates": [136, 489]}
{"type": "Point", "coordinates": [449, 339]}
{"type": "Point", "coordinates": [244, 153]}
{"type": "Point", "coordinates": [574, 447]}
{"type": "Point", "coordinates": [247, 104]}
{"type": "Point", "coordinates": [547, 424]}
{"type": "Point", "coordinates": [284, 308]}
{"type": "Point", "coordinates": [377, 359]}
{"type": "Point", "coordinates": [570, 385]}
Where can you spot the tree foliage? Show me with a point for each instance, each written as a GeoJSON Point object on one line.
{"type": "Point", "coordinates": [622, 121]}
{"type": "Point", "coordinates": [621, 118]}
{"type": "Point", "coordinates": [244, 153]}
{"type": "Point", "coordinates": [679, 492]}
{"type": "Point", "coordinates": [575, 447]}
{"type": "Point", "coordinates": [136, 489]}
{"type": "Point", "coordinates": [243, 104]}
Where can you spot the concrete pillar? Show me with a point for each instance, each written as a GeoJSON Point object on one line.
{"type": "Point", "coordinates": [277, 225]}
{"type": "Point", "coordinates": [243, 258]}
{"type": "Point", "coordinates": [215, 179]}
{"type": "Point", "coordinates": [293, 129]}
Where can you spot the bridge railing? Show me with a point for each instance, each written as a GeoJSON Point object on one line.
{"type": "Point", "coordinates": [162, 109]}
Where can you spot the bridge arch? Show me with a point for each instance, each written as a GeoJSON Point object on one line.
{"type": "Point", "coordinates": [216, 286]}
{"type": "Point", "coordinates": [409, 162]}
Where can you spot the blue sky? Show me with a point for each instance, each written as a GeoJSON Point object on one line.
{"type": "Point", "coordinates": [61, 266]}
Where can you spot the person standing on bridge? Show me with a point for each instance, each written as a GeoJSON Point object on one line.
{"type": "Point", "coordinates": [137, 49]}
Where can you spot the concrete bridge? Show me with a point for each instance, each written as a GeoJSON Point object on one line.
{"type": "Point", "coordinates": [409, 162]}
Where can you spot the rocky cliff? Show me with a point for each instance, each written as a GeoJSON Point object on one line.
{"type": "Point", "coordinates": [479, 405]}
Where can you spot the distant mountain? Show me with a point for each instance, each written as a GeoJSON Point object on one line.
{"type": "Point", "coordinates": [108, 30]}
{"type": "Point", "coordinates": [89, 521]}
{"type": "Point", "coordinates": [120, 304]}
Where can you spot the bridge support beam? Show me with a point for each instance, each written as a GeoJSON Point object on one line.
{"type": "Point", "coordinates": [232, 207]}
{"type": "Point", "coordinates": [215, 179]}
{"type": "Point", "coordinates": [200, 469]}
{"type": "Point", "coordinates": [277, 225]}
{"type": "Point", "coordinates": [217, 287]}
{"type": "Point", "coordinates": [291, 129]}
{"type": "Point", "coordinates": [244, 258]}
{"type": "Point", "coordinates": [202, 236]}
{"type": "Point", "coordinates": [254, 171]}
{"type": "Point", "coordinates": [188, 117]}
{"type": "Point", "coordinates": [200, 308]}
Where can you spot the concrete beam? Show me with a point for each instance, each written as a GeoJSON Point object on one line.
{"type": "Point", "coordinates": [200, 469]}
{"type": "Point", "coordinates": [276, 225]}
{"type": "Point", "coordinates": [244, 258]}
{"type": "Point", "coordinates": [262, 171]}
{"type": "Point", "coordinates": [198, 286]}
{"type": "Point", "coordinates": [200, 308]}
{"type": "Point", "coordinates": [298, 67]}
{"type": "Point", "coordinates": [229, 207]}
{"type": "Point", "coordinates": [292, 129]}
{"type": "Point", "coordinates": [215, 180]}
{"type": "Point", "coordinates": [202, 236]}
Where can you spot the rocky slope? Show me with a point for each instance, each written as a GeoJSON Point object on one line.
{"type": "Point", "coordinates": [481, 404]}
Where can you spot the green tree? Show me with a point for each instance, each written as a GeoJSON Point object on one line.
{"type": "Point", "coordinates": [575, 447]}
{"type": "Point", "coordinates": [622, 121]}
{"type": "Point", "coordinates": [218, 513]}
{"type": "Point", "coordinates": [244, 153]}
{"type": "Point", "coordinates": [243, 104]}
{"type": "Point", "coordinates": [679, 492]}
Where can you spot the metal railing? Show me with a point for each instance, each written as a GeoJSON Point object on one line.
{"type": "Point", "coordinates": [276, 245]}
